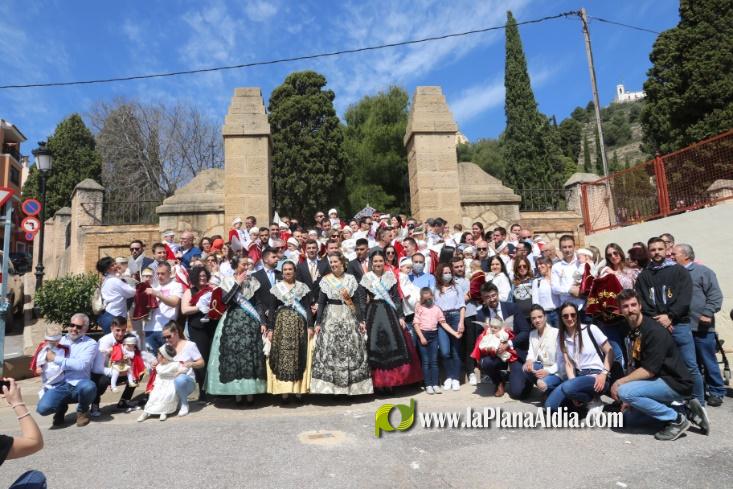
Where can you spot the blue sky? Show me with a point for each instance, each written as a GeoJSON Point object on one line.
{"type": "Point", "coordinates": [69, 40]}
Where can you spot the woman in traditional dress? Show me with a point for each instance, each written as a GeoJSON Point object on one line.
{"type": "Point", "coordinates": [237, 361]}
{"type": "Point", "coordinates": [195, 306]}
{"type": "Point", "coordinates": [288, 367]}
{"type": "Point", "coordinates": [340, 363]}
{"type": "Point", "coordinates": [389, 357]}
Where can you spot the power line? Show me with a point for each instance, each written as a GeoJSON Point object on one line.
{"type": "Point", "coordinates": [284, 60]}
{"type": "Point", "coordinates": [613, 22]}
{"type": "Point", "coordinates": [311, 56]}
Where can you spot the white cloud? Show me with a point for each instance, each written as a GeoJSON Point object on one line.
{"type": "Point", "coordinates": [260, 11]}
{"type": "Point", "coordinates": [488, 94]}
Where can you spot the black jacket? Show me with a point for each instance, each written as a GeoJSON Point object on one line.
{"type": "Point", "coordinates": [303, 274]}
{"type": "Point", "coordinates": [354, 268]}
{"type": "Point", "coordinates": [666, 290]}
{"type": "Point", "coordinates": [265, 299]}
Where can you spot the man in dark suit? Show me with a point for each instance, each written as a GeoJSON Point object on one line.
{"type": "Point", "coordinates": [267, 276]}
{"type": "Point", "coordinates": [359, 265]}
{"type": "Point", "coordinates": [492, 366]}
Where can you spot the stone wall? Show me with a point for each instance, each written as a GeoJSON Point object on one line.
{"type": "Point", "coordinates": [114, 241]}
{"type": "Point", "coordinates": [554, 224]}
{"type": "Point", "coordinates": [197, 207]}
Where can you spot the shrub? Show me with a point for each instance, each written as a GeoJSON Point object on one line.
{"type": "Point", "coordinates": [63, 297]}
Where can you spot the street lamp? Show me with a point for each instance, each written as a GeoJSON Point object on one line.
{"type": "Point", "coordinates": [43, 163]}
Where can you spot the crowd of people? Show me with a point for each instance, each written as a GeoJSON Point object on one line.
{"type": "Point", "coordinates": [353, 308]}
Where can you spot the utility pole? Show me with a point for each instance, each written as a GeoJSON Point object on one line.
{"type": "Point", "coordinates": [597, 106]}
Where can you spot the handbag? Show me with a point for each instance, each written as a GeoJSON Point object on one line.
{"type": "Point", "coordinates": [617, 370]}
{"type": "Point", "coordinates": [98, 304]}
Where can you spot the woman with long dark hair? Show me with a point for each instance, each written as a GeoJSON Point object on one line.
{"type": "Point", "coordinates": [542, 293]}
{"type": "Point", "coordinates": [498, 276]}
{"type": "Point", "coordinates": [586, 370]}
{"type": "Point", "coordinates": [381, 308]}
{"type": "Point", "coordinates": [195, 305]}
{"type": "Point", "coordinates": [522, 285]}
{"type": "Point", "coordinates": [236, 361]}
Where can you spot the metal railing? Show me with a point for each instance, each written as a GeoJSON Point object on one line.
{"type": "Point", "coordinates": [697, 176]}
{"type": "Point", "coordinates": [136, 212]}
{"type": "Point", "coordinates": [542, 199]}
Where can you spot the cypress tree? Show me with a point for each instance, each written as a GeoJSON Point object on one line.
{"type": "Point", "coordinates": [533, 157]}
{"type": "Point", "coordinates": [587, 165]}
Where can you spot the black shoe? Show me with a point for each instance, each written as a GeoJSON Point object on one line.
{"type": "Point", "coordinates": [715, 401]}
{"type": "Point", "coordinates": [674, 429]}
{"type": "Point", "coordinates": [699, 416]}
{"type": "Point", "coordinates": [202, 397]}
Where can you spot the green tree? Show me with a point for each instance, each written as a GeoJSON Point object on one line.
{"type": "Point", "coordinates": [570, 131]}
{"type": "Point", "coordinates": [587, 165]}
{"type": "Point", "coordinates": [377, 158]}
{"type": "Point", "coordinates": [533, 158]}
{"type": "Point", "coordinates": [486, 153]}
{"type": "Point", "coordinates": [689, 89]}
{"type": "Point", "coordinates": [75, 158]}
{"type": "Point", "coordinates": [308, 158]}
{"type": "Point", "coordinates": [599, 159]}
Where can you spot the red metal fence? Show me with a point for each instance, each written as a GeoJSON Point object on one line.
{"type": "Point", "coordinates": [697, 176]}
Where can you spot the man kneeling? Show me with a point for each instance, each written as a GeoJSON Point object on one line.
{"type": "Point", "coordinates": [658, 376]}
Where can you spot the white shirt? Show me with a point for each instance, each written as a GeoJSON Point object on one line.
{"type": "Point", "coordinates": [543, 295]}
{"type": "Point", "coordinates": [160, 316]}
{"type": "Point", "coordinates": [544, 348]}
{"type": "Point", "coordinates": [411, 290]}
{"type": "Point", "coordinates": [588, 358]}
{"type": "Point", "coordinates": [115, 293]}
{"type": "Point", "coordinates": [190, 353]}
{"type": "Point", "coordinates": [502, 283]}
{"type": "Point", "coordinates": [226, 269]}
{"type": "Point", "coordinates": [563, 278]}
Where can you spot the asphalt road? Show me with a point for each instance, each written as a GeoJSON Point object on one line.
{"type": "Point", "coordinates": [330, 443]}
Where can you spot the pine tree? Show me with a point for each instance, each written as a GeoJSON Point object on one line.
{"type": "Point", "coordinates": [308, 159]}
{"type": "Point", "coordinates": [689, 90]}
{"type": "Point", "coordinates": [75, 158]}
{"type": "Point", "coordinates": [533, 157]}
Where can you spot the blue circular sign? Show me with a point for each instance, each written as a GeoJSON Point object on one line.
{"type": "Point", "coordinates": [31, 207]}
{"type": "Point", "coordinates": [29, 236]}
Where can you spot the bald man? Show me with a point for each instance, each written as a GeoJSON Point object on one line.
{"type": "Point", "coordinates": [187, 250]}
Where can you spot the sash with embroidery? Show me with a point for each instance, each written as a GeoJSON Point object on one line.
{"type": "Point", "coordinates": [243, 303]}
{"type": "Point", "coordinates": [381, 292]}
{"type": "Point", "coordinates": [290, 300]}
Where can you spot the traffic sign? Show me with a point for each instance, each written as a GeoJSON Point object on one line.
{"type": "Point", "coordinates": [30, 224]}
{"type": "Point", "coordinates": [30, 236]}
{"type": "Point", "coordinates": [31, 207]}
{"type": "Point", "coordinates": [6, 193]}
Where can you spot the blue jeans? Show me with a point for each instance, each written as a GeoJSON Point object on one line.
{"type": "Point", "coordinates": [184, 387]}
{"type": "Point", "coordinates": [682, 335]}
{"type": "Point", "coordinates": [579, 389]}
{"type": "Point", "coordinates": [552, 318]}
{"type": "Point", "coordinates": [104, 321]}
{"type": "Point", "coordinates": [56, 400]}
{"type": "Point", "coordinates": [450, 346]}
{"type": "Point", "coordinates": [551, 381]}
{"type": "Point", "coordinates": [429, 358]}
{"type": "Point", "coordinates": [705, 346]}
{"type": "Point", "coordinates": [651, 398]}
{"type": "Point", "coordinates": [153, 341]}
{"type": "Point", "coordinates": [615, 339]}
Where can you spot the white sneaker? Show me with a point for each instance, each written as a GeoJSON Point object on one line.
{"type": "Point", "coordinates": [595, 408]}
{"type": "Point", "coordinates": [472, 379]}
{"type": "Point", "coordinates": [115, 389]}
{"type": "Point", "coordinates": [143, 417]}
{"type": "Point", "coordinates": [429, 390]}
{"type": "Point", "coordinates": [456, 385]}
{"type": "Point", "coordinates": [164, 416]}
{"type": "Point", "coordinates": [183, 411]}
{"type": "Point", "coordinates": [436, 389]}
{"type": "Point", "coordinates": [447, 384]}
{"type": "Point", "coordinates": [94, 412]}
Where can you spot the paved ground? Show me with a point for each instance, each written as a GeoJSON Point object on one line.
{"type": "Point", "coordinates": [331, 443]}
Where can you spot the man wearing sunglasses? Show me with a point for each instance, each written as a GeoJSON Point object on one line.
{"type": "Point", "coordinates": [137, 261]}
{"type": "Point", "coordinates": [77, 366]}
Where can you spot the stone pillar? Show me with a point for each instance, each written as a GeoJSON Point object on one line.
{"type": "Point", "coordinates": [86, 210]}
{"type": "Point", "coordinates": [247, 152]}
{"type": "Point", "coordinates": [432, 162]}
{"type": "Point", "coordinates": [572, 190]}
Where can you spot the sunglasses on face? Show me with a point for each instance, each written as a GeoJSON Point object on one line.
{"type": "Point", "coordinates": [389, 253]}
{"type": "Point", "coordinates": [77, 326]}
{"type": "Point", "coordinates": [613, 253]}
{"type": "Point", "coordinates": [135, 249]}
{"type": "Point", "coordinates": [571, 315]}
{"type": "Point", "coordinates": [167, 336]}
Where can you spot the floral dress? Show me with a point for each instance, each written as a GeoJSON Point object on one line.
{"type": "Point", "coordinates": [288, 367]}
{"type": "Point", "coordinates": [236, 362]}
{"type": "Point", "coordinates": [340, 363]}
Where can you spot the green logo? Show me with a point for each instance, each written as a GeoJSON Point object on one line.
{"type": "Point", "coordinates": [381, 417]}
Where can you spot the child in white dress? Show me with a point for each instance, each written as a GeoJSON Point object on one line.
{"type": "Point", "coordinates": [163, 399]}
{"type": "Point", "coordinates": [52, 374]}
